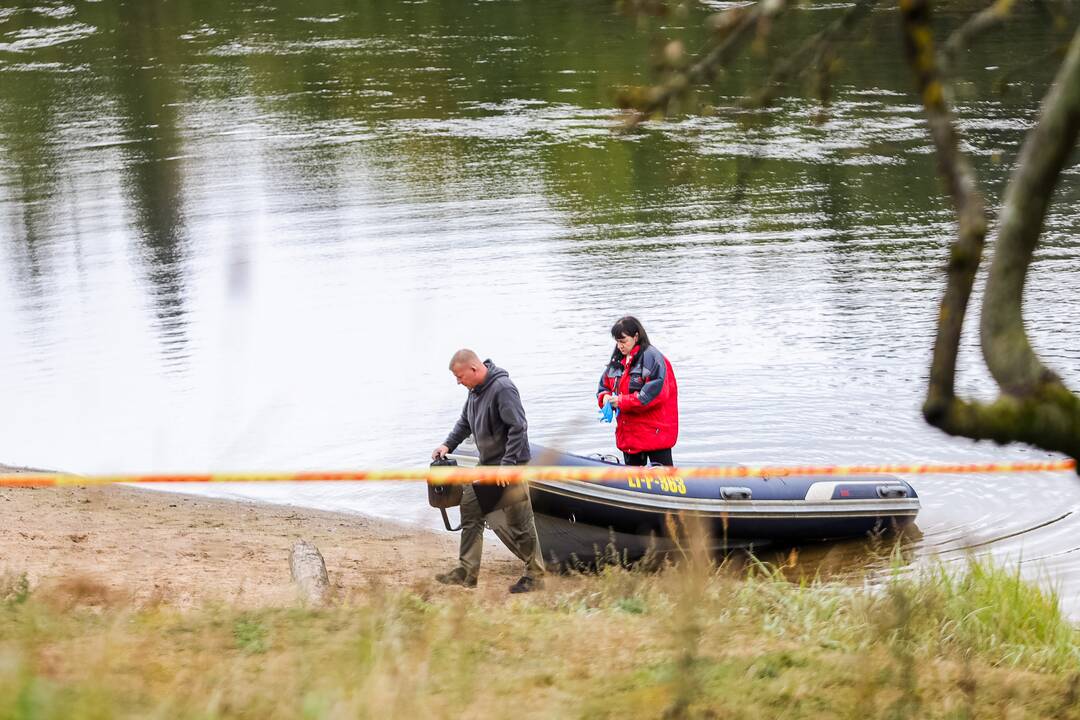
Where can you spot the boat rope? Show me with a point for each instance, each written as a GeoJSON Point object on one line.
{"type": "Point", "coordinates": [527, 473]}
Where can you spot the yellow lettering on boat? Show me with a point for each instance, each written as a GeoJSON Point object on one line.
{"type": "Point", "coordinates": [673, 485]}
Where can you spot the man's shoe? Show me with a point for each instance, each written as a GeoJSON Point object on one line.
{"type": "Point", "coordinates": [526, 584]}
{"type": "Point", "coordinates": [457, 576]}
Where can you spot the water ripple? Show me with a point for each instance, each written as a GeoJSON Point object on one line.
{"type": "Point", "coordinates": [29, 39]}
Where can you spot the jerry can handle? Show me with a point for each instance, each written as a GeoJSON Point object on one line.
{"type": "Point", "coordinates": [446, 521]}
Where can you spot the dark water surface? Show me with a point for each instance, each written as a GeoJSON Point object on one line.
{"type": "Point", "coordinates": [248, 235]}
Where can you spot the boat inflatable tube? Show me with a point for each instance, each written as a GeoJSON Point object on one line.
{"type": "Point", "coordinates": [586, 522]}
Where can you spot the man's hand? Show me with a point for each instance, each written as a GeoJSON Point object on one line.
{"type": "Point", "coordinates": [440, 452]}
{"type": "Point", "coordinates": [612, 400]}
{"type": "Point", "coordinates": [500, 480]}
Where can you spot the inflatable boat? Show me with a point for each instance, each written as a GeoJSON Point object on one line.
{"type": "Point", "coordinates": [583, 522]}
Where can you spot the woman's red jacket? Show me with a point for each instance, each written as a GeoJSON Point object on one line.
{"type": "Point", "coordinates": [648, 400]}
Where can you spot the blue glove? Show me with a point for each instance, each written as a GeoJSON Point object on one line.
{"type": "Point", "coordinates": [608, 413]}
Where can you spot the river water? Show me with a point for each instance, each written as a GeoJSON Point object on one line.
{"type": "Point", "coordinates": [249, 235]}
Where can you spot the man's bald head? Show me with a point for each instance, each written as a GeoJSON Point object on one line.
{"type": "Point", "coordinates": [467, 367]}
{"type": "Point", "coordinates": [464, 356]}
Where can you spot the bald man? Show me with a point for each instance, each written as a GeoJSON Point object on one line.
{"type": "Point", "coordinates": [494, 416]}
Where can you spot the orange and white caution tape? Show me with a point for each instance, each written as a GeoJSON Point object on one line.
{"type": "Point", "coordinates": [526, 473]}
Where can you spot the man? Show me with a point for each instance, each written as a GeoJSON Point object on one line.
{"type": "Point", "coordinates": [493, 415]}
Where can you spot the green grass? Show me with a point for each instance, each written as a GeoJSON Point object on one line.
{"type": "Point", "coordinates": [690, 641]}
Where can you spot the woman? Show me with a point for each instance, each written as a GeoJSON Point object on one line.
{"type": "Point", "coordinates": [640, 384]}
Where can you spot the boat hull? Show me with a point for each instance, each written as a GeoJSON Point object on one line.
{"type": "Point", "coordinates": [583, 523]}
{"type": "Point", "coordinates": [577, 531]}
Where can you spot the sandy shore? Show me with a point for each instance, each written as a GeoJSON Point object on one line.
{"type": "Point", "coordinates": [162, 547]}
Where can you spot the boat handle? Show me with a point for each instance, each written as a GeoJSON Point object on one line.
{"type": "Point", "coordinates": [736, 493]}
{"type": "Point", "coordinates": [892, 491]}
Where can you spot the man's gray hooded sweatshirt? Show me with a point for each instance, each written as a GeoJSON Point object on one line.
{"type": "Point", "coordinates": [494, 416]}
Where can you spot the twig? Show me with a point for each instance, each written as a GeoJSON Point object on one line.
{"type": "Point", "coordinates": [703, 69]}
{"type": "Point", "coordinates": [977, 24]}
{"type": "Point", "coordinates": [796, 64]}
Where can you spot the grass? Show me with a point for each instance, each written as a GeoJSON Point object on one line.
{"type": "Point", "coordinates": [689, 642]}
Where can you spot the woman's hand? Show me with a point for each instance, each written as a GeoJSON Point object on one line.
{"type": "Point", "coordinates": [612, 400]}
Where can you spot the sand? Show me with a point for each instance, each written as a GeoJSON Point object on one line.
{"type": "Point", "coordinates": [162, 547]}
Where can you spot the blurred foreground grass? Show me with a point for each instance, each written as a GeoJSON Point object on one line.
{"type": "Point", "coordinates": [687, 642]}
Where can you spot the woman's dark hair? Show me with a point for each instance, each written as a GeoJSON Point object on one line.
{"type": "Point", "coordinates": [628, 326]}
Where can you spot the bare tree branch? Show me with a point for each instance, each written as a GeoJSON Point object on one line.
{"type": "Point", "coordinates": [745, 20]}
{"type": "Point", "coordinates": [965, 253]}
{"type": "Point", "coordinates": [976, 25]}
{"type": "Point", "coordinates": [1046, 149]}
{"type": "Point", "coordinates": [817, 46]}
{"type": "Point", "coordinates": [1035, 406]}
